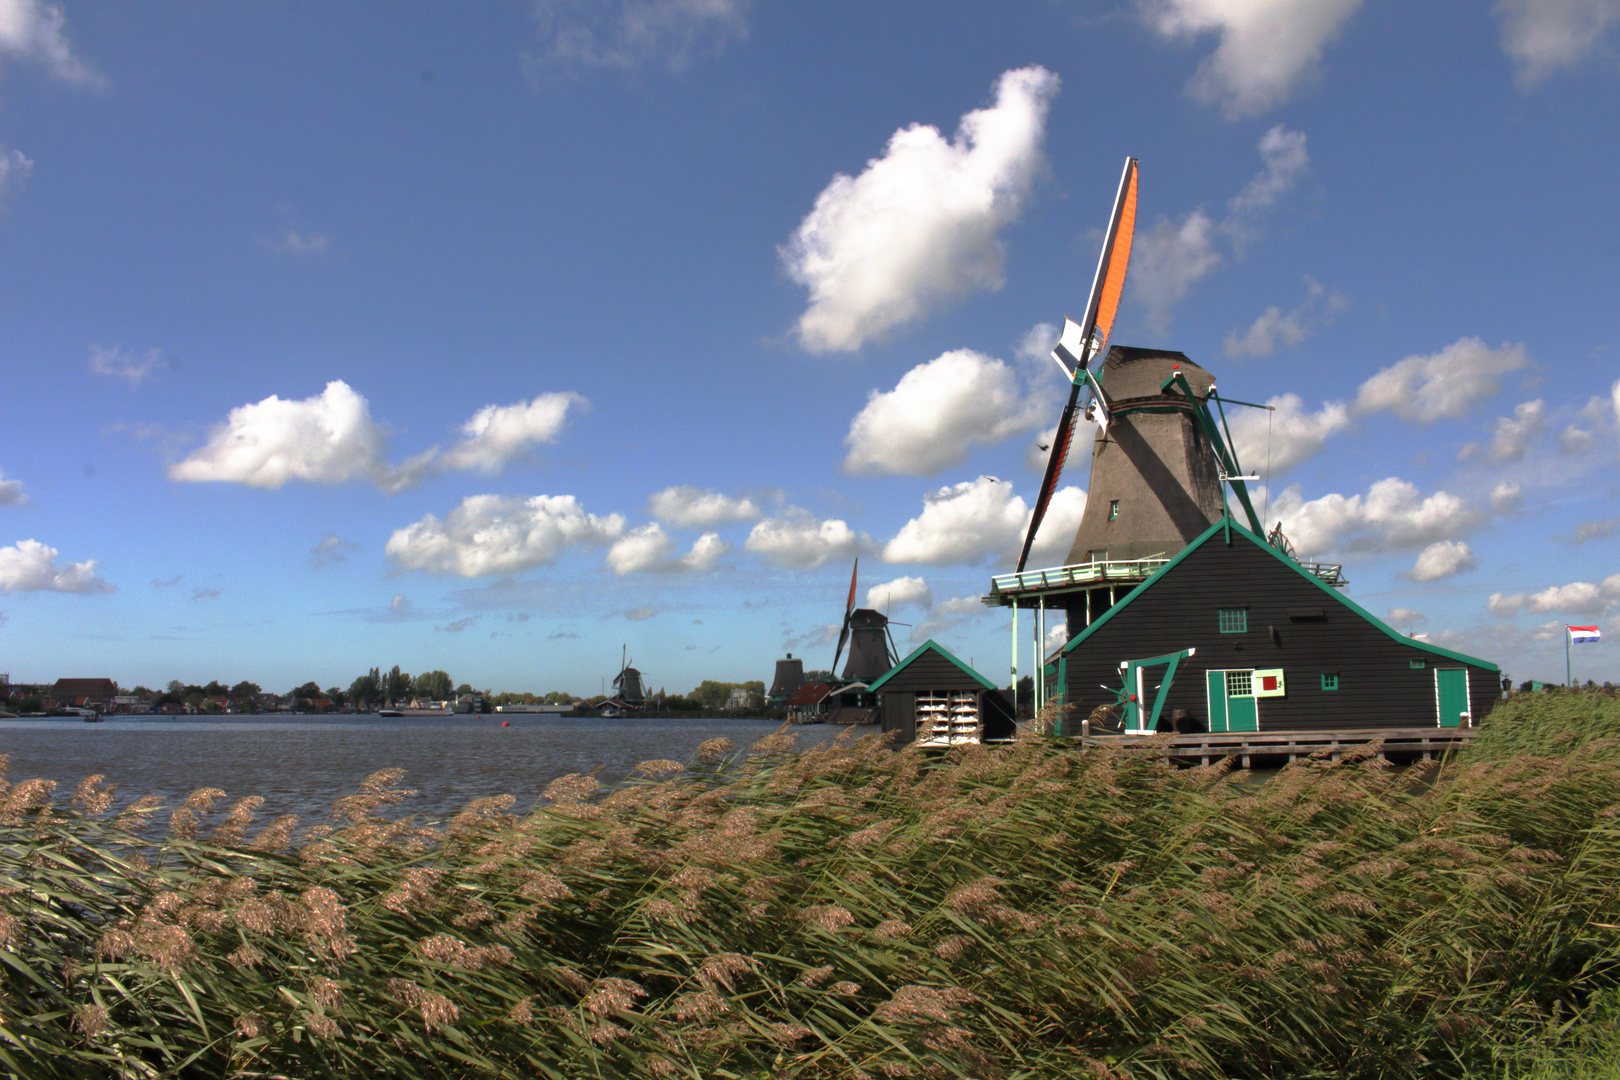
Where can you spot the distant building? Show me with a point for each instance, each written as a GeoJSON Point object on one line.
{"type": "Point", "coordinates": [789, 677]}
{"type": "Point", "coordinates": [83, 693]}
{"type": "Point", "coordinates": [738, 698]}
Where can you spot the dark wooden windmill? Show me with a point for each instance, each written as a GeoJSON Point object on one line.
{"type": "Point", "coordinates": [627, 684]}
{"type": "Point", "coordinates": [1160, 465]}
{"type": "Point", "coordinates": [866, 632]}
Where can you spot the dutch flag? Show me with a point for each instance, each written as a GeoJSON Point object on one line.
{"type": "Point", "coordinates": [1580, 634]}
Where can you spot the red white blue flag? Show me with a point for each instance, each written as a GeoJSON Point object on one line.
{"type": "Point", "coordinates": [1579, 634]}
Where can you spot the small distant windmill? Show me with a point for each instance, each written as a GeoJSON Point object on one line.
{"type": "Point", "coordinates": [627, 684]}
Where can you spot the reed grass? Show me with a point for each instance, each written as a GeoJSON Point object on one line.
{"type": "Point", "coordinates": [849, 911]}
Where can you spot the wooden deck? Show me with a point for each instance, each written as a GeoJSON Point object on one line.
{"type": "Point", "coordinates": [1205, 748]}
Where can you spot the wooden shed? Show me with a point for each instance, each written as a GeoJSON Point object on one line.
{"type": "Point", "coordinates": [1277, 649]}
{"type": "Point", "coordinates": [934, 699]}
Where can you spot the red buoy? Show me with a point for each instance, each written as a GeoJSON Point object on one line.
{"type": "Point", "coordinates": [506, 723]}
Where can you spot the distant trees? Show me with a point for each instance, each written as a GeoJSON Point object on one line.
{"type": "Point", "coordinates": [366, 689]}
{"type": "Point", "coordinates": [715, 695]}
{"type": "Point", "coordinates": [433, 685]}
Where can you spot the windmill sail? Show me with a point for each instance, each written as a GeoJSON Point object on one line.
{"type": "Point", "coordinates": [849, 609]}
{"type": "Point", "coordinates": [1083, 341]}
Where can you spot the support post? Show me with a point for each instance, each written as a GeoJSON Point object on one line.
{"type": "Point", "coordinates": [1015, 661]}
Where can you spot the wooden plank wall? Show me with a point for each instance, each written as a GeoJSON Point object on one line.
{"type": "Point", "coordinates": [1377, 687]}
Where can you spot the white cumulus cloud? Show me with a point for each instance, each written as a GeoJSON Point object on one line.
{"type": "Point", "coordinates": [32, 30]}
{"type": "Point", "coordinates": [331, 438]}
{"type": "Point", "coordinates": [1169, 258]}
{"type": "Point", "coordinates": [11, 491]}
{"type": "Point", "coordinates": [1267, 49]}
{"type": "Point", "coordinates": [1443, 385]}
{"type": "Point", "coordinates": [1511, 436]}
{"type": "Point", "coordinates": [1058, 527]}
{"type": "Point", "coordinates": [1442, 559]}
{"type": "Point", "coordinates": [1542, 36]}
{"type": "Point", "coordinates": [647, 549]}
{"type": "Point", "coordinates": [15, 169]}
{"type": "Point", "coordinates": [325, 439]}
{"type": "Point", "coordinates": [695, 508]}
{"type": "Point", "coordinates": [1392, 516]}
{"type": "Point", "coordinates": [961, 523]}
{"type": "Point", "coordinates": [899, 593]}
{"type": "Point", "coordinates": [627, 33]}
{"type": "Point", "coordinates": [1286, 436]}
{"type": "Point", "coordinates": [30, 566]}
{"type": "Point", "coordinates": [499, 434]}
{"type": "Point", "coordinates": [1576, 598]}
{"type": "Point", "coordinates": [797, 540]}
{"type": "Point", "coordinates": [919, 227]}
{"type": "Point", "coordinates": [1507, 497]}
{"type": "Point", "coordinates": [494, 534]}
{"type": "Point", "coordinates": [937, 413]}
{"type": "Point", "coordinates": [1286, 160]}
{"type": "Point", "coordinates": [1274, 329]}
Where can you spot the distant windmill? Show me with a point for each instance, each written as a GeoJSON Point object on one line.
{"type": "Point", "coordinates": [627, 684]}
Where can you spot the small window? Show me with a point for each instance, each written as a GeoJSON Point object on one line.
{"type": "Point", "coordinates": [1330, 681]}
{"type": "Point", "coordinates": [1240, 684]}
{"type": "Point", "coordinates": [1097, 556]}
{"type": "Point", "coordinates": [1113, 510]}
{"type": "Point", "coordinates": [1234, 620]}
{"type": "Point", "coordinates": [1417, 665]}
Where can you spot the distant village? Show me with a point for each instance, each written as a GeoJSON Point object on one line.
{"type": "Point", "coordinates": [393, 690]}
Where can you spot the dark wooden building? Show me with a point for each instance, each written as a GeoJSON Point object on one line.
{"type": "Point", "coordinates": [83, 693]}
{"type": "Point", "coordinates": [934, 699]}
{"type": "Point", "coordinates": [1278, 649]}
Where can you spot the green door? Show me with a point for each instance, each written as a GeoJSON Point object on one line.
{"type": "Point", "coordinates": [1451, 695]}
{"type": "Point", "coordinates": [1231, 701]}
{"type": "Point", "coordinates": [1217, 699]}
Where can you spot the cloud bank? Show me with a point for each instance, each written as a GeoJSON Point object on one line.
{"type": "Point", "coordinates": [331, 438]}
{"type": "Point", "coordinates": [647, 549]}
{"type": "Point", "coordinates": [695, 508]}
{"type": "Point", "coordinates": [798, 541]}
{"type": "Point", "coordinates": [30, 566]}
{"type": "Point", "coordinates": [919, 227]}
{"type": "Point", "coordinates": [493, 534]}
{"type": "Point", "coordinates": [628, 33]}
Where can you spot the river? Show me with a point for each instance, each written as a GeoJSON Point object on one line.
{"type": "Point", "coordinates": [301, 764]}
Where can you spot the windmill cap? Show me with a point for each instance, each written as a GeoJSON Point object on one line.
{"type": "Point", "coordinates": [1130, 373]}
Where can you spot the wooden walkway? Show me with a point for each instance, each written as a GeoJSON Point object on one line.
{"type": "Point", "coordinates": [1204, 748]}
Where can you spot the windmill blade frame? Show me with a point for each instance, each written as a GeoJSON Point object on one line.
{"type": "Point", "coordinates": [1090, 337]}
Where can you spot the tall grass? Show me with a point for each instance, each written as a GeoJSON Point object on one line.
{"type": "Point", "coordinates": [849, 911]}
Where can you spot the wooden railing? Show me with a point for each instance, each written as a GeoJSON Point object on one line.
{"type": "Point", "coordinates": [1006, 588]}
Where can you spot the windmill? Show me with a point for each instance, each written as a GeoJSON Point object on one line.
{"type": "Point", "coordinates": [1160, 467]}
{"type": "Point", "coordinates": [866, 631]}
{"type": "Point", "coordinates": [627, 684]}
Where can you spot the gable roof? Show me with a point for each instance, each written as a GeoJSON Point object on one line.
{"type": "Point", "coordinates": [1228, 523]}
{"type": "Point", "coordinates": [943, 651]}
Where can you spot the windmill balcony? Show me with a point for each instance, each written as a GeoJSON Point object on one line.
{"type": "Point", "coordinates": [1029, 588]}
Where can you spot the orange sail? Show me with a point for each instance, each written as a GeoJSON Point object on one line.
{"type": "Point", "coordinates": [1119, 259]}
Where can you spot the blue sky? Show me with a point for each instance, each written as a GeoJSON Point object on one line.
{"type": "Point", "coordinates": [493, 338]}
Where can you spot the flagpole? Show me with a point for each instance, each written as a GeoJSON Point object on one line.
{"type": "Point", "coordinates": [1569, 678]}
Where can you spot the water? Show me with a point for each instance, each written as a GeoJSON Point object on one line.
{"type": "Point", "coordinates": [300, 765]}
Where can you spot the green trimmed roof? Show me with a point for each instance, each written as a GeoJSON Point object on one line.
{"type": "Point", "coordinates": [1228, 523]}
{"type": "Point", "coordinates": [918, 651]}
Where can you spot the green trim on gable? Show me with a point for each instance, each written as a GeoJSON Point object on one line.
{"type": "Point", "coordinates": [1227, 522]}
{"type": "Point", "coordinates": [918, 651]}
